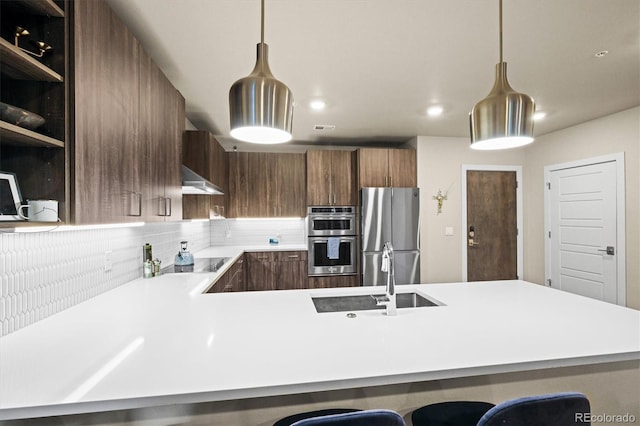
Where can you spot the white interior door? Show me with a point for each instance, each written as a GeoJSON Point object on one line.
{"type": "Point", "coordinates": [583, 249]}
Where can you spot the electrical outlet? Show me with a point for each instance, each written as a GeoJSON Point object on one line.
{"type": "Point", "coordinates": [448, 231]}
{"type": "Point", "coordinates": [108, 261]}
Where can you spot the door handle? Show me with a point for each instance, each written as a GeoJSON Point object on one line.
{"type": "Point", "coordinates": [472, 234]}
{"type": "Point", "coordinates": [610, 250]}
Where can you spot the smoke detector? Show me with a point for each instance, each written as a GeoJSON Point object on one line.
{"type": "Point", "coordinates": [324, 127]}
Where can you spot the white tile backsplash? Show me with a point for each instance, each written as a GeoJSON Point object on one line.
{"type": "Point", "coordinates": [234, 232]}
{"type": "Point", "coordinates": [42, 273]}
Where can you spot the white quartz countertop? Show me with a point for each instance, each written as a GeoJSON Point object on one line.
{"type": "Point", "coordinates": [160, 341]}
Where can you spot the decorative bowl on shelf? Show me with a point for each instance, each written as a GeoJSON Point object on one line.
{"type": "Point", "coordinates": [20, 117]}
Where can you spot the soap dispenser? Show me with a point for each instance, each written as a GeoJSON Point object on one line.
{"type": "Point", "coordinates": [184, 259]}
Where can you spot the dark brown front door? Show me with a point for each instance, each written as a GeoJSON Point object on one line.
{"type": "Point", "coordinates": [492, 230]}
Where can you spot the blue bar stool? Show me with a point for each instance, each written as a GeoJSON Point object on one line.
{"type": "Point", "coordinates": [289, 420]}
{"type": "Point", "coordinates": [451, 413]}
{"type": "Point", "coordinates": [357, 418]}
{"type": "Point", "coordinates": [556, 409]}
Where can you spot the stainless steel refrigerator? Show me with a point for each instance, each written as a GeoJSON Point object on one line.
{"type": "Point", "coordinates": [390, 214]}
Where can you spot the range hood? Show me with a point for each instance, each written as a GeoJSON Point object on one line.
{"type": "Point", "coordinates": [194, 184]}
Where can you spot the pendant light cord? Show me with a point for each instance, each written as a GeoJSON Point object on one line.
{"type": "Point", "coordinates": [262, 22]}
{"type": "Point", "coordinates": [500, 30]}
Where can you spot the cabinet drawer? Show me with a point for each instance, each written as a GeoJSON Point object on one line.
{"type": "Point", "coordinates": [290, 256]}
{"type": "Point", "coordinates": [266, 256]}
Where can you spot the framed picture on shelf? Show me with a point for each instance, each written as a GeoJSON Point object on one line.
{"type": "Point", "coordinates": [10, 198]}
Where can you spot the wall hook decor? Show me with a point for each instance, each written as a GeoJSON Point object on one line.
{"type": "Point", "coordinates": [40, 45]}
{"type": "Point", "coordinates": [440, 199]}
{"type": "Point", "coordinates": [19, 33]}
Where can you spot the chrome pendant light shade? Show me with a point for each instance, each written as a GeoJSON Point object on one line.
{"type": "Point", "coordinates": [260, 106]}
{"type": "Point", "coordinates": [504, 119]}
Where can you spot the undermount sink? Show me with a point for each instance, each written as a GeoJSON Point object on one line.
{"type": "Point", "coordinates": [367, 302]}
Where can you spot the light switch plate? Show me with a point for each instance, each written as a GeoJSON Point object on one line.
{"type": "Point", "coordinates": [108, 261]}
{"type": "Point", "coordinates": [448, 231]}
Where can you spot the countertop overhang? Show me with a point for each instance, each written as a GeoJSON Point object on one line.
{"type": "Point", "coordinates": [161, 341]}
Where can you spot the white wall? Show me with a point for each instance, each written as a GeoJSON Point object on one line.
{"type": "Point", "coordinates": [440, 161]}
{"type": "Point", "coordinates": [439, 164]}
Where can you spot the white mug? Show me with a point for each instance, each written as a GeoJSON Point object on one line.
{"type": "Point", "coordinates": [40, 211]}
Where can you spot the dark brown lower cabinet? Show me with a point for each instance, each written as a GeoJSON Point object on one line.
{"type": "Point", "coordinates": [291, 270]}
{"type": "Point", "coordinates": [232, 280]}
{"type": "Point", "coordinates": [261, 271]}
{"type": "Point", "coordinates": [277, 270]}
{"type": "Point", "coordinates": [333, 281]}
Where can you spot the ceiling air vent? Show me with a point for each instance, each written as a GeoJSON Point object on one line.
{"type": "Point", "coordinates": [324, 127]}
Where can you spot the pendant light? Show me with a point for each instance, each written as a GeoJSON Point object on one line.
{"type": "Point", "coordinates": [504, 119]}
{"type": "Point", "coordinates": [261, 107]}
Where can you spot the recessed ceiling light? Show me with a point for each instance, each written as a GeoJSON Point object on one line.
{"type": "Point", "coordinates": [317, 104]}
{"type": "Point", "coordinates": [539, 115]}
{"type": "Point", "coordinates": [434, 111]}
{"type": "Point", "coordinates": [601, 54]}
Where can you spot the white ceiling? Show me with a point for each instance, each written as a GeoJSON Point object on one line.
{"type": "Point", "coordinates": [380, 63]}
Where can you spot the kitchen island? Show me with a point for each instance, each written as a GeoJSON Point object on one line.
{"type": "Point", "coordinates": [242, 358]}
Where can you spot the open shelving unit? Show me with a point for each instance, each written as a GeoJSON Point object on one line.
{"type": "Point", "coordinates": [35, 84]}
{"type": "Point", "coordinates": [20, 66]}
{"type": "Point", "coordinates": [44, 7]}
{"type": "Point", "coordinates": [12, 134]}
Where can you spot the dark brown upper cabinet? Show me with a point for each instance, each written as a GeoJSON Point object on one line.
{"type": "Point", "coordinates": [203, 154]}
{"type": "Point", "coordinates": [387, 167]}
{"type": "Point", "coordinates": [331, 178]}
{"type": "Point", "coordinates": [127, 126]}
{"type": "Point", "coordinates": [267, 185]}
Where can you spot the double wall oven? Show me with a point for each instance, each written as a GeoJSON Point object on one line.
{"type": "Point", "coordinates": [333, 240]}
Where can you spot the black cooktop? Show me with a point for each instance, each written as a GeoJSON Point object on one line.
{"type": "Point", "coordinates": [205, 264]}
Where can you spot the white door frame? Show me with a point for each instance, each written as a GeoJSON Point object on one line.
{"type": "Point", "coordinates": [621, 245]}
{"type": "Point", "coordinates": [519, 198]}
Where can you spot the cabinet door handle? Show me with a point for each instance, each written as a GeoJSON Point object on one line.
{"type": "Point", "coordinates": [135, 204]}
{"type": "Point", "coordinates": [165, 207]}
{"type": "Point", "coordinates": [293, 256]}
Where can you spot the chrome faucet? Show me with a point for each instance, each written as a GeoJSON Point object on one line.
{"type": "Point", "coordinates": [389, 299]}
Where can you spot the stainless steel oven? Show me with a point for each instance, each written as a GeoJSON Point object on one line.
{"type": "Point", "coordinates": [333, 244]}
{"type": "Point", "coordinates": [331, 220]}
{"type": "Point", "coordinates": [333, 255]}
